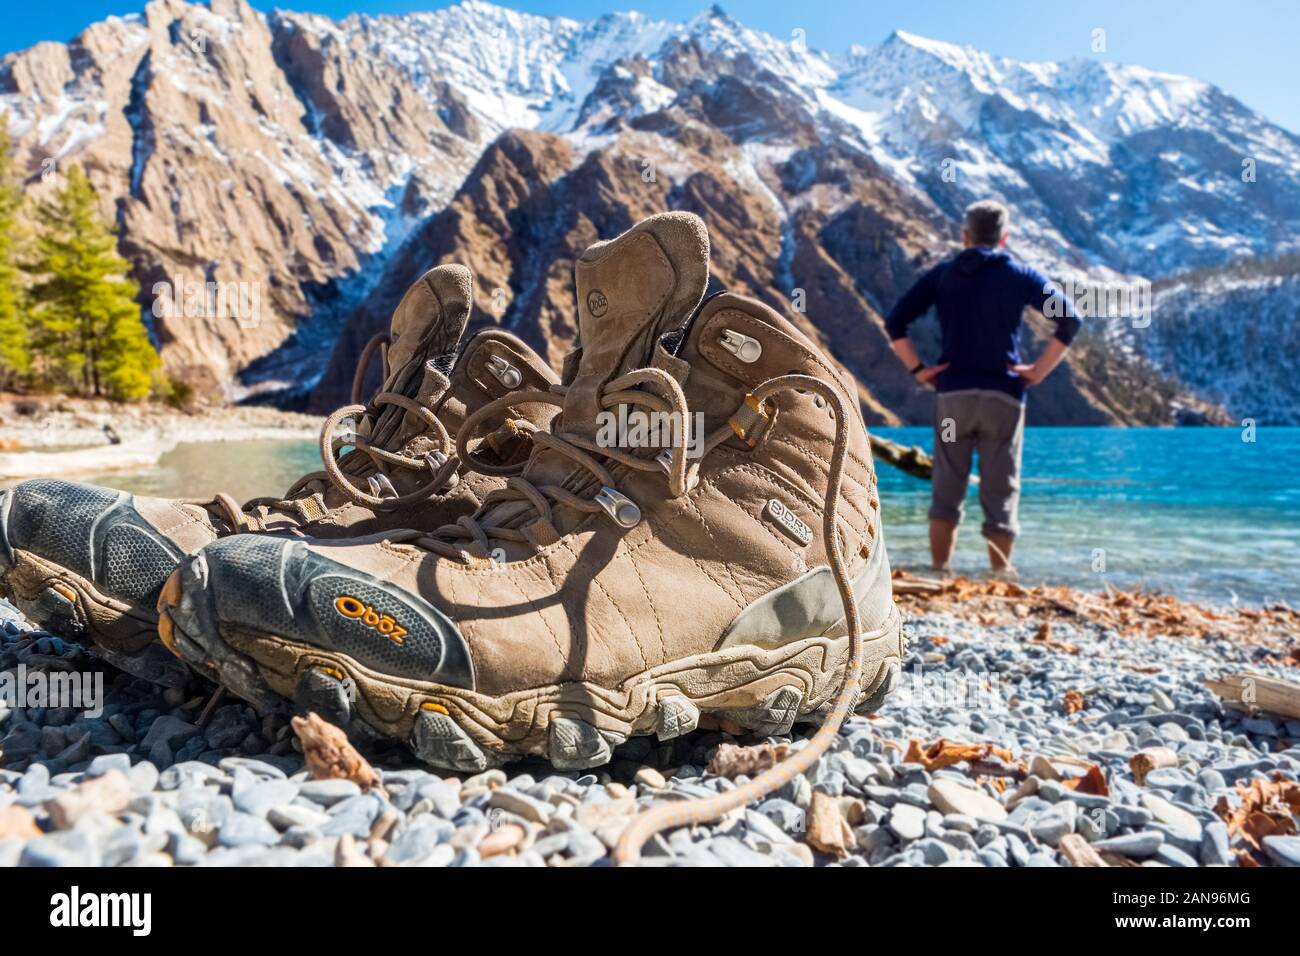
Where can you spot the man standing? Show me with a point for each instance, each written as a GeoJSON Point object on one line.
{"type": "Point", "coordinates": [980, 295]}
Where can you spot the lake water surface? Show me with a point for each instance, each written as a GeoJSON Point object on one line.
{"type": "Point", "coordinates": [1197, 512]}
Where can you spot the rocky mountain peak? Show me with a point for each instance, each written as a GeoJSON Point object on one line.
{"type": "Point", "coordinates": [320, 161]}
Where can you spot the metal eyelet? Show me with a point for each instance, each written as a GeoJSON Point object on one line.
{"type": "Point", "coordinates": [436, 460]}
{"type": "Point", "coordinates": [745, 347]}
{"type": "Point", "coordinates": [625, 512]}
{"type": "Point", "coordinates": [381, 487]}
{"type": "Point", "coordinates": [665, 459]}
{"type": "Point", "coordinates": [505, 373]}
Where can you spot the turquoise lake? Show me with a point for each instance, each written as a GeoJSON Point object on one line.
{"type": "Point", "coordinates": [1196, 512]}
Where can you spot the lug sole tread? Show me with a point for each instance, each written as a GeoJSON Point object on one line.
{"type": "Point", "coordinates": [574, 725]}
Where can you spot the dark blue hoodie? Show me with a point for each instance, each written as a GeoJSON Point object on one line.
{"type": "Point", "coordinates": [980, 295]}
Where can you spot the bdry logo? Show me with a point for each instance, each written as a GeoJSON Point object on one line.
{"type": "Point", "coordinates": [597, 304]}
{"type": "Point", "coordinates": [75, 909]}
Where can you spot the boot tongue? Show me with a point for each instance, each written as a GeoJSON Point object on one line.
{"type": "Point", "coordinates": [425, 331]}
{"type": "Point", "coordinates": [427, 324]}
{"type": "Point", "coordinates": [631, 290]}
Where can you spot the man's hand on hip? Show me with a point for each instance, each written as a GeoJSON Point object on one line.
{"type": "Point", "coordinates": [927, 375]}
{"type": "Point", "coordinates": [1031, 375]}
{"type": "Point", "coordinates": [1034, 374]}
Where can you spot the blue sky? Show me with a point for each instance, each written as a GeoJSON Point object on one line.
{"type": "Point", "coordinates": [1247, 47]}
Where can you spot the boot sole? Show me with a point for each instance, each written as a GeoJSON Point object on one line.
{"type": "Point", "coordinates": [573, 725]}
{"type": "Point", "coordinates": [65, 603]}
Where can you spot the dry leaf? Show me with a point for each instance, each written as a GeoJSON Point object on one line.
{"type": "Point", "coordinates": [1073, 702]}
{"type": "Point", "coordinates": [1267, 808]}
{"type": "Point", "coordinates": [1130, 613]}
{"type": "Point", "coordinates": [1093, 782]}
{"type": "Point", "coordinates": [945, 753]}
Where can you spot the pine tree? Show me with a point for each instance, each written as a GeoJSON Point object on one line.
{"type": "Point", "coordinates": [87, 333]}
{"type": "Point", "coordinates": [15, 354]}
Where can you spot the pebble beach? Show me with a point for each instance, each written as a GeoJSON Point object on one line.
{"type": "Point", "coordinates": [1005, 745]}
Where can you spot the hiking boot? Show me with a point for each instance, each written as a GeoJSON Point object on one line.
{"type": "Point", "coordinates": [613, 588]}
{"type": "Point", "coordinates": [90, 562]}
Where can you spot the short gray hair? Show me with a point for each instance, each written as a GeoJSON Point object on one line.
{"type": "Point", "coordinates": [987, 222]}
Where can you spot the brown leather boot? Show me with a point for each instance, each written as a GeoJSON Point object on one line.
{"type": "Point", "coordinates": [633, 577]}
{"type": "Point", "coordinates": [90, 562]}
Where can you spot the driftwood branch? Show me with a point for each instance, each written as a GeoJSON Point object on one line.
{"type": "Point", "coordinates": [1259, 692]}
{"type": "Point", "coordinates": [912, 460]}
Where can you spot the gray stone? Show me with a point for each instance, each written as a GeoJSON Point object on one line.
{"type": "Point", "coordinates": [784, 814]}
{"type": "Point", "coordinates": [1170, 855]}
{"type": "Point", "coordinates": [422, 846]}
{"type": "Point", "coordinates": [1283, 850]}
{"type": "Point", "coordinates": [1167, 778]}
{"type": "Point", "coordinates": [169, 731]}
{"type": "Point", "coordinates": [106, 762]}
{"type": "Point", "coordinates": [1214, 845]}
{"type": "Point", "coordinates": [258, 767]}
{"type": "Point", "coordinates": [296, 815]}
{"type": "Point", "coordinates": [202, 811]}
{"type": "Point", "coordinates": [1138, 845]}
{"type": "Point", "coordinates": [68, 848]}
{"type": "Point", "coordinates": [1176, 818]}
{"type": "Point", "coordinates": [243, 829]}
{"type": "Point", "coordinates": [907, 822]}
{"type": "Point", "coordinates": [1049, 827]}
{"type": "Point", "coordinates": [521, 805]}
{"type": "Point", "coordinates": [143, 778]}
{"type": "Point", "coordinates": [354, 815]}
{"type": "Point", "coordinates": [328, 792]}
{"type": "Point", "coordinates": [935, 852]}
{"type": "Point", "coordinates": [1130, 816]}
{"type": "Point", "coordinates": [952, 797]}
{"type": "Point", "coordinates": [256, 799]}
{"type": "Point", "coordinates": [732, 852]}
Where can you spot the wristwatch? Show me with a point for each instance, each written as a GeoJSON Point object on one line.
{"type": "Point", "coordinates": [919, 366]}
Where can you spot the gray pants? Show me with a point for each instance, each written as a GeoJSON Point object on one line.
{"type": "Point", "coordinates": [993, 424]}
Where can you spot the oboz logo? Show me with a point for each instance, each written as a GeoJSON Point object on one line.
{"type": "Point", "coordinates": [357, 610]}
{"type": "Point", "coordinates": [597, 304]}
{"type": "Point", "coordinates": [788, 522]}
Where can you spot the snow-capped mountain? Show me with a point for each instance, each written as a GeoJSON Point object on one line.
{"type": "Point", "coordinates": [328, 159]}
{"type": "Point", "coordinates": [1232, 333]}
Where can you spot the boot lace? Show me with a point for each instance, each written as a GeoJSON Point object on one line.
{"type": "Point", "coordinates": [666, 816]}
{"type": "Point", "coordinates": [366, 460]}
{"type": "Point", "coordinates": [471, 537]}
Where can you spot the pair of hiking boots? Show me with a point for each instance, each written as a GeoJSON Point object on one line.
{"type": "Point", "coordinates": [498, 564]}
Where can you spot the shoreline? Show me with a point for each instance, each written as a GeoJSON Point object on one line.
{"type": "Point", "coordinates": [1127, 610]}
{"type": "Point", "coordinates": [55, 423]}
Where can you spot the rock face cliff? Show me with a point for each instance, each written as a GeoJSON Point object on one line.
{"type": "Point", "coordinates": [316, 167]}
{"type": "Point", "coordinates": [239, 150]}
